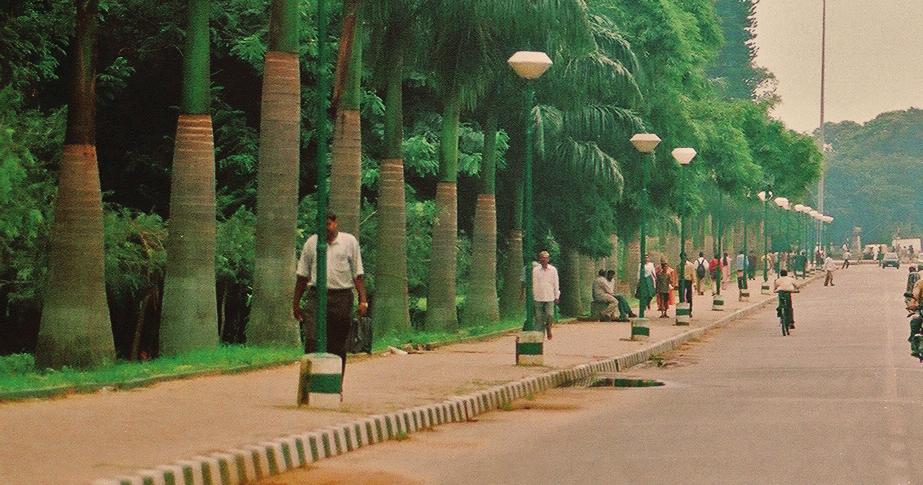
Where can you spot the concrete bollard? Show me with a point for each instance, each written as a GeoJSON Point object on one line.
{"type": "Point", "coordinates": [530, 348]}
{"type": "Point", "coordinates": [640, 330]}
{"type": "Point", "coordinates": [744, 295]}
{"type": "Point", "coordinates": [717, 303]}
{"type": "Point", "coordinates": [683, 316]}
{"type": "Point", "coordinates": [320, 384]}
{"type": "Point", "coordinates": [764, 288]}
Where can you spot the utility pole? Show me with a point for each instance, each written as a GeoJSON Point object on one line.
{"type": "Point", "coordinates": [821, 138]}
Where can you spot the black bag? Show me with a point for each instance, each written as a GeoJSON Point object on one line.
{"type": "Point", "coordinates": [359, 339]}
{"type": "Point", "coordinates": [700, 270]}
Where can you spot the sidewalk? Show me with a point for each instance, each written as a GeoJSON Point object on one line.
{"type": "Point", "coordinates": [85, 437]}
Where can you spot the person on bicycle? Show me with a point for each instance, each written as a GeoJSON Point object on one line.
{"type": "Point", "coordinates": [784, 285]}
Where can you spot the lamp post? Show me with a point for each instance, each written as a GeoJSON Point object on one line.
{"type": "Point", "coordinates": [529, 66]}
{"type": "Point", "coordinates": [744, 293]}
{"type": "Point", "coordinates": [644, 143]}
{"type": "Point", "coordinates": [764, 196]}
{"type": "Point", "coordinates": [717, 302]}
{"type": "Point", "coordinates": [321, 383]}
{"type": "Point", "coordinates": [683, 310]}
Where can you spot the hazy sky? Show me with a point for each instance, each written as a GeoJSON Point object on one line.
{"type": "Point", "coordinates": [874, 57]}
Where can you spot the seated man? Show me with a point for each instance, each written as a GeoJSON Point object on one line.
{"type": "Point", "coordinates": [602, 294]}
{"type": "Point", "coordinates": [624, 308]}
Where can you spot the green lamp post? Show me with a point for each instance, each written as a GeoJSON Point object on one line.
{"type": "Point", "coordinates": [684, 157]}
{"type": "Point", "coordinates": [529, 66]}
{"type": "Point", "coordinates": [743, 293]}
{"type": "Point", "coordinates": [644, 143]}
{"type": "Point", "coordinates": [717, 302]}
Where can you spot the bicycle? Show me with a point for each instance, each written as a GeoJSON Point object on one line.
{"type": "Point", "coordinates": [784, 311]}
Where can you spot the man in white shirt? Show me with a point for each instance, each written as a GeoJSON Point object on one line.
{"type": "Point", "coordinates": [344, 273]}
{"type": "Point", "coordinates": [829, 266]}
{"type": "Point", "coordinates": [546, 292]}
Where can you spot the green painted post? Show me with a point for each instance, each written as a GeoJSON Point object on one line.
{"type": "Point", "coordinates": [766, 237]}
{"type": "Point", "coordinates": [527, 240]}
{"type": "Point", "coordinates": [682, 236]}
{"type": "Point", "coordinates": [718, 237]}
{"type": "Point", "coordinates": [323, 191]}
{"type": "Point", "coordinates": [643, 297]}
{"type": "Point", "coordinates": [746, 255]}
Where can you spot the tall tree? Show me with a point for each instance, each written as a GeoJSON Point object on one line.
{"type": "Point", "coordinates": [346, 166]}
{"type": "Point", "coordinates": [189, 318]}
{"type": "Point", "coordinates": [394, 24]}
{"type": "Point", "coordinates": [75, 329]}
{"type": "Point", "coordinates": [271, 320]}
{"type": "Point", "coordinates": [481, 303]}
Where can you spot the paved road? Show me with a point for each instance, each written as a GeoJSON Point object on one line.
{"type": "Point", "coordinates": [838, 401]}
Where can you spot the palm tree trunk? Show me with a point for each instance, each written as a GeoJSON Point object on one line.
{"type": "Point", "coordinates": [189, 320]}
{"type": "Point", "coordinates": [571, 301]}
{"type": "Point", "coordinates": [346, 166]}
{"type": "Point", "coordinates": [440, 304]}
{"type": "Point", "coordinates": [511, 307]}
{"type": "Point", "coordinates": [75, 329]}
{"type": "Point", "coordinates": [271, 320]}
{"type": "Point", "coordinates": [588, 273]}
{"type": "Point", "coordinates": [481, 303]}
{"type": "Point", "coordinates": [390, 306]}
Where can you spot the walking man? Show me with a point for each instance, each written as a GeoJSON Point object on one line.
{"type": "Point", "coordinates": [846, 256]}
{"type": "Point", "coordinates": [546, 292]}
{"type": "Point", "coordinates": [344, 275]}
{"type": "Point", "coordinates": [829, 266]}
{"type": "Point", "coordinates": [701, 273]}
{"type": "Point", "coordinates": [740, 265]}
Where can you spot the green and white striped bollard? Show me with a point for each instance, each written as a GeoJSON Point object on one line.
{"type": "Point", "coordinates": [764, 288]}
{"type": "Point", "coordinates": [717, 303]}
{"type": "Point", "coordinates": [321, 382]}
{"type": "Point", "coordinates": [683, 313]}
{"type": "Point", "coordinates": [640, 331]}
{"type": "Point", "coordinates": [529, 348]}
{"type": "Point", "coordinates": [744, 295]}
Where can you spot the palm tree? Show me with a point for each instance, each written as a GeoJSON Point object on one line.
{"type": "Point", "coordinates": [75, 329]}
{"type": "Point", "coordinates": [394, 25]}
{"type": "Point", "coordinates": [271, 319]}
{"type": "Point", "coordinates": [189, 318]}
{"type": "Point", "coordinates": [346, 166]}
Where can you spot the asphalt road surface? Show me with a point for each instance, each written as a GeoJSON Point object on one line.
{"type": "Point", "coordinates": [838, 401]}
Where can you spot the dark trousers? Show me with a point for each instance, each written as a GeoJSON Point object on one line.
{"type": "Point", "coordinates": [741, 282]}
{"type": "Point", "coordinates": [339, 319]}
{"type": "Point", "coordinates": [687, 292]}
{"type": "Point", "coordinates": [829, 279]}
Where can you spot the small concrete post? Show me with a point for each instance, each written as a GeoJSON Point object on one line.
{"type": "Point", "coordinates": [640, 331]}
{"type": "Point", "coordinates": [529, 348]}
{"type": "Point", "coordinates": [320, 384]}
{"type": "Point", "coordinates": [717, 303]}
{"type": "Point", "coordinates": [683, 316]}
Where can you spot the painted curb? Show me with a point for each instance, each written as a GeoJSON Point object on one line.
{"type": "Point", "coordinates": [269, 458]}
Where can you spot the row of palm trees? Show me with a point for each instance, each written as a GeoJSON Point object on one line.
{"type": "Point", "coordinates": [586, 102]}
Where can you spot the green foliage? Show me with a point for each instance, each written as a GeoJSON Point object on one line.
{"type": "Point", "coordinates": [871, 177]}
{"type": "Point", "coordinates": [18, 372]}
{"type": "Point", "coordinates": [135, 256]}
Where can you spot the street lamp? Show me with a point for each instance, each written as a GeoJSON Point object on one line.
{"type": "Point", "coordinates": [644, 143]}
{"type": "Point", "coordinates": [684, 156]}
{"type": "Point", "coordinates": [765, 196]}
{"type": "Point", "coordinates": [530, 66]}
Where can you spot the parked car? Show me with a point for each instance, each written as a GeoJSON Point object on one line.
{"type": "Point", "coordinates": [891, 259]}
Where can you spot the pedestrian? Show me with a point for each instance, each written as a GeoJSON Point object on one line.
{"type": "Point", "coordinates": [912, 278]}
{"type": "Point", "coordinates": [665, 281]}
{"type": "Point", "coordinates": [603, 294]}
{"type": "Point", "coordinates": [689, 276]}
{"type": "Point", "coordinates": [740, 265]}
{"type": "Point", "coordinates": [701, 273]}
{"type": "Point", "coordinates": [829, 267]}
{"type": "Point", "coordinates": [646, 283]}
{"type": "Point", "coordinates": [344, 277]}
{"type": "Point", "coordinates": [846, 256]}
{"type": "Point", "coordinates": [715, 266]}
{"type": "Point", "coordinates": [751, 266]}
{"type": "Point", "coordinates": [546, 292]}
{"type": "Point", "coordinates": [725, 270]}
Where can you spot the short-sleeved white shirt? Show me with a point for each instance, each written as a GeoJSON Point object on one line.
{"type": "Point", "coordinates": [344, 261]}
